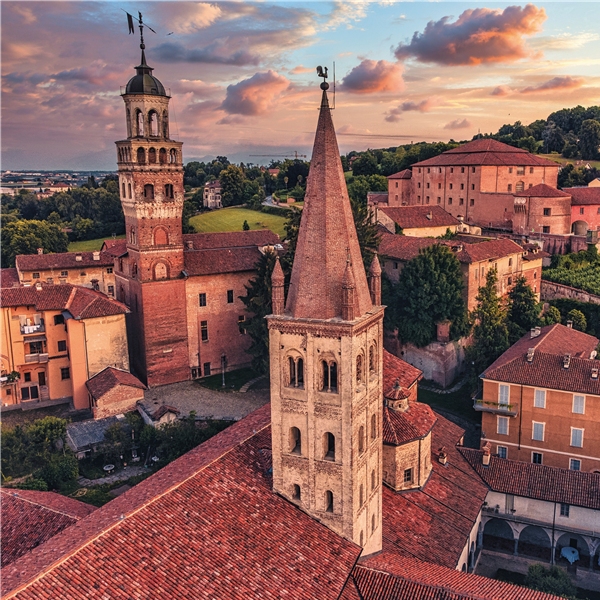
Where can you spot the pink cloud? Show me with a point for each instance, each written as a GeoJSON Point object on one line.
{"type": "Point", "coordinates": [254, 96]}
{"type": "Point", "coordinates": [556, 83]}
{"type": "Point", "coordinates": [393, 116]}
{"type": "Point", "coordinates": [480, 35]}
{"type": "Point", "coordinates": [300, 69]}
{"type": "Point", "coordinates": [501, 90]}
{"type": "Point", "coordinates": [458, 124]}
{"type": "Point", "coordinates": [374, 76]}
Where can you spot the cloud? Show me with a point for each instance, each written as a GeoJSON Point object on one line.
{"type": "Point", "coordinates": [565, 41]}
{"type": "Point", "coordinates": [346, 12]}
{"type": "Point", "coordinates": [214, 53]}
{"type": "Point", "coordinates": [458, 124]}
{"type": "Point", "coordinates": [192, 17]}
{"type": "Point", "coordinates": [556, 83]}
{"type": "Point", "coordinates": [374, 76]}
{"type": "Point", "coordinates": [480, 35]}
{"type": "Point", "coordinates": [393, 116]}
{"type": "Point", "coordinates": [254, 96]}
{"type": "Point", "coordinates": [501, 90]}
{"type": "Point", "coordinates": [301, 69]}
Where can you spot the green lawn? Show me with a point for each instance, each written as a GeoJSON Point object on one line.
{"type": "Point", "coordinates": [574, 161]}
{"type": "Point", "coordinates": [232, 219]}
{"type": "Point", "coordinates": [89, 245]}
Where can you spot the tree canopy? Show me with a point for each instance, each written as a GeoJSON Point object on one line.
{"type": "Point", "coordinates": [25, 237]}
{"type": "Point", "coordinates": [523, 310]}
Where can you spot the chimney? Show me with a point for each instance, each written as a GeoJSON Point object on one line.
{"type": "Point", "coordinates": [96, 255]}
{"type": "Point", "coordinates": [487, 453]}
{"type": "Point", "coordinates": [189, 245]}
{"type": "Point", "coordinates": [40, 251]}
{"type": "Point", "coordinates": [535, 332]}
{"type": "Point", "coordinates": [530, 354]}
{"type": "Point", "coordinates": [429, 215]}
{"type": "Point", "coordinates": [443, 331]}
{"type": "Point", "coordinates": [78, 258]}
{"type": "Point", "coordinates": [442, 456]}
{"type": "Point", "coordinates": [570, 324]}
{"type": "Point", "coordinates": [38, 287]}
{"type": "Point", "coordinates": [594, 373]}
{"type": "Point", "coordinates": [566, 361]}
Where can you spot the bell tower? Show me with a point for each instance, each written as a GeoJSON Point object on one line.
{"type": "Point", "coordinates": [149, 277]}
{"type": "Point", "coordinates": [326, 361]}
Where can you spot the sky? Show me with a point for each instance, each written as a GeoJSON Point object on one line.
{"type": "Point", "coordinates": [242, 75]}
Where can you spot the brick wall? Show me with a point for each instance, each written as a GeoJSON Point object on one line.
{"type": "Point", "coordinates": [551, 290]}
{"type": "Point", "coordinates": [120, 399]}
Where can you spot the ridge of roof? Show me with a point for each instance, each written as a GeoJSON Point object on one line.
{"type": "Point", "coordinates": [542, 190]}
{"type": "Point", "coordinates": [62, 260]}
{"type": "Point", "coordinates": [415, 216]}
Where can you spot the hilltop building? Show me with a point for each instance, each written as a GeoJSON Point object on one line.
{"type": "Point", "coordinates": [211, 196]}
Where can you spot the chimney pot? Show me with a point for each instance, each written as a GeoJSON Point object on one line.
{"type": "Point", "coordinates": [78, 258]}
{"type": "Point", "coordinates": [96, 255]}
{"type": "Point", "coordinates": [570, 324]}
{"type": "Point", "coordinates": [40, 251]}
{"type": "Point", "coordinates": [594, 373]}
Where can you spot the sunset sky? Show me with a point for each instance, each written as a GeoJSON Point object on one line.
{"type": "Point", "coordinates": [243, 81]}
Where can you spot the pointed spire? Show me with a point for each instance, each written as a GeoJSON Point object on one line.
{"type": "Point", "coordinates": [327, 236]}
{"type": "Point", "coordinates": [375, 281]}
{"type": "Point", "coordinates": [348, 296]}
{"type": "Point", "coordinates": [277, 291]}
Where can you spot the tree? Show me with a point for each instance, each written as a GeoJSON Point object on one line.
{"type": "Point", "coordinates": [365, 164]}
{"type": "Point", "coordinates": [232, 186]}
{"type": "Point", "coordinates": [551, 316]}
{"type": "Point", "coordinates": [360, 186]}
{"type": "Point", "coordinates": [245, 226]}
{"type": "Point", "coordinates": [589, 139]}
{"type": "Point", "coordinates": [552, 580]}
{"type": "Point", "coordinates": [430, 291]}
{"type": "Point", "coordinates": [490, 333]}
{"type": "Point", "coordinates": [578, 318]}
{"type": "Point", "coordinates": [25, 237]}
{"type": "Point", "coordinates": [366, 231]}
{"type": "Point", "coordinates": [523, 310]}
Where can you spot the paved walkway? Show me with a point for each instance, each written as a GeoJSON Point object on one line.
{"type": "Point", "coordinates": [438, 390]}
{"type": "Point", "coordinates": [189, 396]}
{"type": "Point", "coordinates": [123, 475]}
{"type": "Point", "coordinates": [250, 383]}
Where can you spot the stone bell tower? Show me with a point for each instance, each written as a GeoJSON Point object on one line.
{"type": "Point", "coordinates": [326, 361]}
{"type": "Point", "coordinates": [149, 276]}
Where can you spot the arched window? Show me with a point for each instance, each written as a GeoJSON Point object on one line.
{"type": "Point", "coordinates": [132, 236]}
{"type": "Point", "coordinates": [134, 270]}
{"type": "Point", "coordinates": [161, 237]}
{"type": "Point", "coordinates": [173, 156]}
{"type": "Point", "coordinates": [361, 439]}
{"type": "Point", "coordinates": [129, 190]}
{"type": "Point", "coordinates": [123, 190]}
{"type": "Point", "coordinates": [296, 372]}
{"type": "Point", "coordinates": [329, 446]}
{"type": "Point", "coordinates": [165, 124]}
{"type": "Point", "coordinates": [160, 271]}
{"type": "Point", "coordinates": [361, 495]}
{"type": "Point", "coordinates": [152, 156]}
{"type": "Point", "coordinates": [328, 501]}
{"type": "Point", "coordinates": [329, 383]}
{"type": "Point", "coordinates": [295, 441]}
{"type": "Point", "coordinates": [359, 369]}
{"type": "Point", "coordinates": [169, 191]}
{"type": "Point", "coordinates": [141, 156]}
{"type": "Point", "coordinates": [153, 123]}
{"type": "Point", "coordinates": [149, 191]}
{"type": "Point", "coordinates": [162, 156]}
{"type": "Point", "coordinates": [373, 480]}
{"type": "Point", "coordinates": [139, 120]}
{"type": "Point", "coordinates": [520, 186]}
{"type": "Point", "coordinates": [296, 492]}
{"type": "Point", "coordinates": [372, 360]}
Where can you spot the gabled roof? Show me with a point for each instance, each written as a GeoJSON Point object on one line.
{"type": "Point", "coordinates": [221, 260]}
{"type": "Point", "coordinates": [415, 217]}
{"type": "Point", "coordinates": [581, 196]}
{"type": "Point", "coordinates": [487, 250]}
{"type": "Point", "coordinates": [9, 277]}
{"type": "Point", "coordinates": [540, 482]}
{"type": "Point", "coordinates": [402, 247]}
{"type": "Point", "coordinates": [207, 523]}
{"type": "Point", "coordinates": [377, 197]}
{"type": "Point", "coordinates": [402, 427]}
{"type": "Point", "coordinates": [29, 518]}
{"type": "Point", "coordinates": [82, 303]}
{"type": "Point", "coordinates": [405, 174]}
{"type": "Point", "coordinates": [396, 369]}
{"type": "Point", "coordinates": [115, 247]}
{"type": "Point", "coordinates": [108, 379]}
{"type": "Point", "coordinates": [486, 152]}
{"type": "Point", "coordinates": [541, 190]}
{"type": "Point", "coordinates": [62, 260]}
{"type": "Point", "coordinates": [230, 239]}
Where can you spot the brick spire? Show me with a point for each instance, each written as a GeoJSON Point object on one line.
{"type": "Point", "coordinates": [375, 281]}
{"type": "Point", "coordinates": [327, 236]}
{"type": "Point", "coordinates": [277, 291]}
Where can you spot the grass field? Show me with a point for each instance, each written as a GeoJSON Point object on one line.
{"type": "Point", "coordinates": [574, 161]}
{"type": "Point", "coordinates": [232, 219]}
{"type": "Point", "coordinates": [89, 245]}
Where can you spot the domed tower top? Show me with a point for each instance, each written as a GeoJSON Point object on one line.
{"type": "Point", "coordinates": [144, 82]}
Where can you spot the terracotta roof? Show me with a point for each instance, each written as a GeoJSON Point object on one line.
{"type": "Point", "coordinates": [402, 247]}
{"type": "Point", "coordinates": [162, 410]}
{"type": "Point", "coordinates": [30, 518]}
{"type": "Point", "coordinates": [9, 277]}
{"type": "Point", "coordinates": [377, 197]}
{"type": "Point", "coordinates": [222, 260]}
{"type": "Point", "coordinates": [486, 152]}
{"type": "Point", "coordinates": [434, 523]}
{"type": "Point", "coordinates": [487, 250]}
{"type": "Point", "coordinates": [396, 369]}
{"type": "Point", "coordinates": [583, 195]}
{"type": "Point", "coordinates": [540, 482]}
{"type": "Point", "coordinates": [327, 239]}
{"type": "Point", "coordinates": [205, 526]}
{"type": "Point", "coordinates": [115, 247]}
{"type": "Point", "coordinates": [230, 239]}
{"type": "Point", "coordinates": [402, 427]}
{"type": "Point", "coordinates": [109, 378]}
{"type": "Point", "coordinates": [82, 303]}
{"type": "Point", "coordinates": [541, 190]}
{"type": "Point", "coordinates": [438, 578]}
{"type": "Point", "coordinates": [215, 184]}
{"type": "Point", "coordinates": [405, 174]}
{"type": "Point", "coordinates": [62, 260]}
{"type": "Point", "coordinates": [415, 217]}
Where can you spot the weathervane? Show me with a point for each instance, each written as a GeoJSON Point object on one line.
{"type": "Point", "coordinates": [322, 72]}
{"type": "Point", "coordinates": [141, 26]}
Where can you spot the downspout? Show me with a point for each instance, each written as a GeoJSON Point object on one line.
{"type": "Point", "coordinates": [552, 541]}
{"type": "Point", "coordinates": [87, 366]}
{"type": "Point", "coordinates": [521, 417]}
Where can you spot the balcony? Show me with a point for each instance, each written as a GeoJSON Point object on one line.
{"type": "Point", "coordinates": [510, 410]}
{"type": "Point", "coordinates": [35, 328]}
{"type": "Point", "coordinates": [36, 358]}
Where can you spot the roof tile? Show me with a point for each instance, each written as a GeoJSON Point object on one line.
{"type": "Point", "coordinates": [414, 217]}
{"type": "Point", "coordinates": [109, 378]}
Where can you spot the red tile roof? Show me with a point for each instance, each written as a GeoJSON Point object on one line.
{"type": "Point", "coordinates": [438, 578]}
{"type": "Point", "coordinates": [487, 250]}
{"type": "Point", "coordinates": [9, 278]}
{"type": "Point", "coordinates": [230, 239]}
{"type": "Point", "coordinates": [486, 152]}
{"type": "Point", "coordinates": [402, 247]}
{"type": "Point", "coordinates": [405, 174]}
{"type": "Point", "coordinates": [82, 303]}
{"type": "Point", "coordinates": [401, 427]}
{"type": "Point", "coordinates": [205, 526]}
{"type": "Point", "coordinates": [434, 523]}
{"type": "Point", "coordinates": [396, 369]}
{"type": "Point", "coordinates": [63, 260]}
{"type": "Point", "coordinates": [540, 482]}
{"type": "Point", "coordinates": [541, 190]}
{"type": "Point", "coordinates": [115, 247]}
{"type": "Point", "coordinates": [30, 518]}
{"type": "Point", "coordinates": [583, 195]}
{"type": "Point", "coordinates": [415, 217]}
{"type": "Point", "coordinates": [109, 378]}
{"type": "Point", "coordinates": [377, 197]}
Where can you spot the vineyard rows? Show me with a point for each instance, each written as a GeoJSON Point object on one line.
{"type": "Point", "coordinates": [587, 278]}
